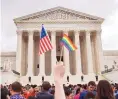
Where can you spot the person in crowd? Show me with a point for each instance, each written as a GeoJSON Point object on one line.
{"type": "Point", "coordinates": [4, 94]}
{"type": "Point", "coordinates": [74, 89]}
{"type": "Point", "coordinates": [116, 96]}
{"type": "Point", "coordinates": [15, 90]}
{"type": "Point", "coordinates": [37, 90]}
{"type": "Point", "coordinates": [52, 92]}
{"type": "Point", "coordinates": [77, 94]}
{"type": "Point", "coordinates": [104, 90]}
{"type": "Point", "coordinates": [116, 90]}
{"type": "Point", "coordinates": [83, 88]}
{"type": "Point", "coordinates": [31, 92]}
{"type": "Point", "coordinates": [89, 95]}
{"type": "Point", "coordinates": [68, 93]}
{"type": "Point", "coordinates": [44, 94]}
{"type": "Point", "coordinates": [25, 92]}
{"type": "Point", "coordinates": [91, 88]}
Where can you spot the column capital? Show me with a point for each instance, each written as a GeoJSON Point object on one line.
{"type": "Point", "coordinates": [77, 32]}
{"type": "Point", "coordinates": [87, 33]}
{"type": "Point", "coordinates": [53, 33]}
{"type": "Point", "coordinates": [19, 32]}
{"type": "Point", "coordinates": [65, 31]}
{"type": "Point", "coordinates": [30, 32]}
{"type": "Point", "coordinates": [98, 32]}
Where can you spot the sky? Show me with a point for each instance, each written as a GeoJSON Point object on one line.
{"type": "Point", "coordinates": [107, 9]}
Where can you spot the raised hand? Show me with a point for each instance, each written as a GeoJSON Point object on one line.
{"type": "Point", "coordinates": [59, 71]}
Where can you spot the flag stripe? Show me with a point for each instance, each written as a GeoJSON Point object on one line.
{"type": "Point", "coordinates": [42, 48]}
{"type": "Point", "coordinates": [45, 43]}
{"type": "Point", "coordinates": [49, 42]}
{"type": "Point", "coordinates": [68, 43]}
{"type": "Point", "coordinates": [65, 45]}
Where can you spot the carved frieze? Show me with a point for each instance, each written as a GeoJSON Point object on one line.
{"type": "Point", "coordinates": [58, 15]}
{"type": "Point", "coordinates": [7, 63]}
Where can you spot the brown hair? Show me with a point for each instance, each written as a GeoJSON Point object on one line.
{"type": "Point", "coordinates": [104, 90]}
{"type": "Point", "coordinates": [91, 83]}
{"type": "Point", "coordinates": [46, 85]}
{"type": "Point", "coordinates": [16, 87]}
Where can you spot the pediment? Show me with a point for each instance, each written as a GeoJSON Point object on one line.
{"type": "Point", "coordinates": [57, 13]}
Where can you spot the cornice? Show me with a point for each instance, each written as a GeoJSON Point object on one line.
{"type": "Point", "coordinates": [60, 21]}
{"type": "Point", "coordinates": [58, 13]}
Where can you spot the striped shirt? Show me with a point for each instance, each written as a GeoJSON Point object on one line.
{"type": "Point", "coordinates": [16, 96]}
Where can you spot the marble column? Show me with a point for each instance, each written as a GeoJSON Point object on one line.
{"type": "Point", "coordinates": [53, 51]}
{"type": "Point", "coordinates": [30, 53]}
{"type": "Point", "coordinates": [89, 52]}
{"type": "Point", "coordinates": [19, 53]}
{"type": "Point", "coordinates": [66, 58]}
{"type": "Point", "coordinates": [99, 51]}
{"type": "Point", "coordinates": [77, 53]}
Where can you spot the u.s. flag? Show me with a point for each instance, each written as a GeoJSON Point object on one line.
{"type": "Point", "coordinates": [44, 43]}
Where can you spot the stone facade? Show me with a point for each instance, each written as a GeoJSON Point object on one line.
{"type": "Point", "coordinates": [83, 29]}
{"type": "Point", "coordinates": [109, 58]}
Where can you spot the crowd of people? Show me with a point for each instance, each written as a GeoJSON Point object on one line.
{"type": "Point", "coordinates": [103, 90]}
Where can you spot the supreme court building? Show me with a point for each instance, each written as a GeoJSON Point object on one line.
{"type": "Point", "coordinates": [83, 29]}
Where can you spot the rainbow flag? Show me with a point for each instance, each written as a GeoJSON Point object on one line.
{"type": "Point", "coordinates": [66, 41]}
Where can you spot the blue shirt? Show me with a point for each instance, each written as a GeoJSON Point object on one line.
{"type": "Point", "coordinates": [16, 96]}
{"type": "Point", "coordinates": [117, 96]}
{"type": "Point", "coordinates": [84, 93]}
{"type": "Point", "coordinates": [115, 93]}
{"type": "Point", "coordinates": [44, 95]}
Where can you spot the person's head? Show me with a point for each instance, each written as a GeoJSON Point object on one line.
{"type": "Point", "coordinates": [31, 90]}
{"type": "Point", "coordinates": [89, 95]}
{"type": "Point", "coordinates": [53, 87]}
{"type": "Point", "coordinates": [104, 90]}
{"type": "Point", "coordinates": [24, 89]}
{"type": "Point", "coordinates": [77, 91]}
{"type": "Point", "coordinates": [46, 85]}
{"type": "Point", "coordinates": [52, 92]}
{"type": "Point", "coordinates": [37, 89]}
{"type": "Point", "coordinates": [113, 87]}
{"type": "Point", "coordinates": [91, 86]}
{"type": "Point", "coordinates": [68, 93]}
{"type": "Point", "coordinates": [3, 93]}
{"type": "Point", "coordinates": [116, 86]}
{"type": "Point", "coordinates": [16, 87]}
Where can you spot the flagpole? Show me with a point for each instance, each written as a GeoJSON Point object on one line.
{"type": "Point", "coordinates": [61, 54]}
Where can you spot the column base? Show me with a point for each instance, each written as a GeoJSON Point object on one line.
{"type": "Point", "coordinates": [73, 79]}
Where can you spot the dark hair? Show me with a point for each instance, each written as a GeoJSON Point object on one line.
{"type": "Point", "coordinates": [89, 95]}
{"type": "Point", "coordinates": [77, 91]}
{"type": "Point", "coordinates": [3, 93]}
{"type": "Point", "coordinates": [79, 85]}
{"type": "Point", "coordinates": [104, 90]}
{"type": "Point", "coordinates": [91, 83]}
{"type": "Point", "coordinates": [46, 85]}
{"type": "Point", "coordinates": [116, 86]}
{"type": "Point", "coordinates": [16, 87]}
{"type": "Point", "coordinates": [52, 92]}
{"type": "Point", "coordinates": [84, 86]}
{"type": "Point", "coordinates": [67, 91]}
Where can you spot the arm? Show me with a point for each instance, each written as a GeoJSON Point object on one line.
{"type": "Point", "coordinates": [59, 71]}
